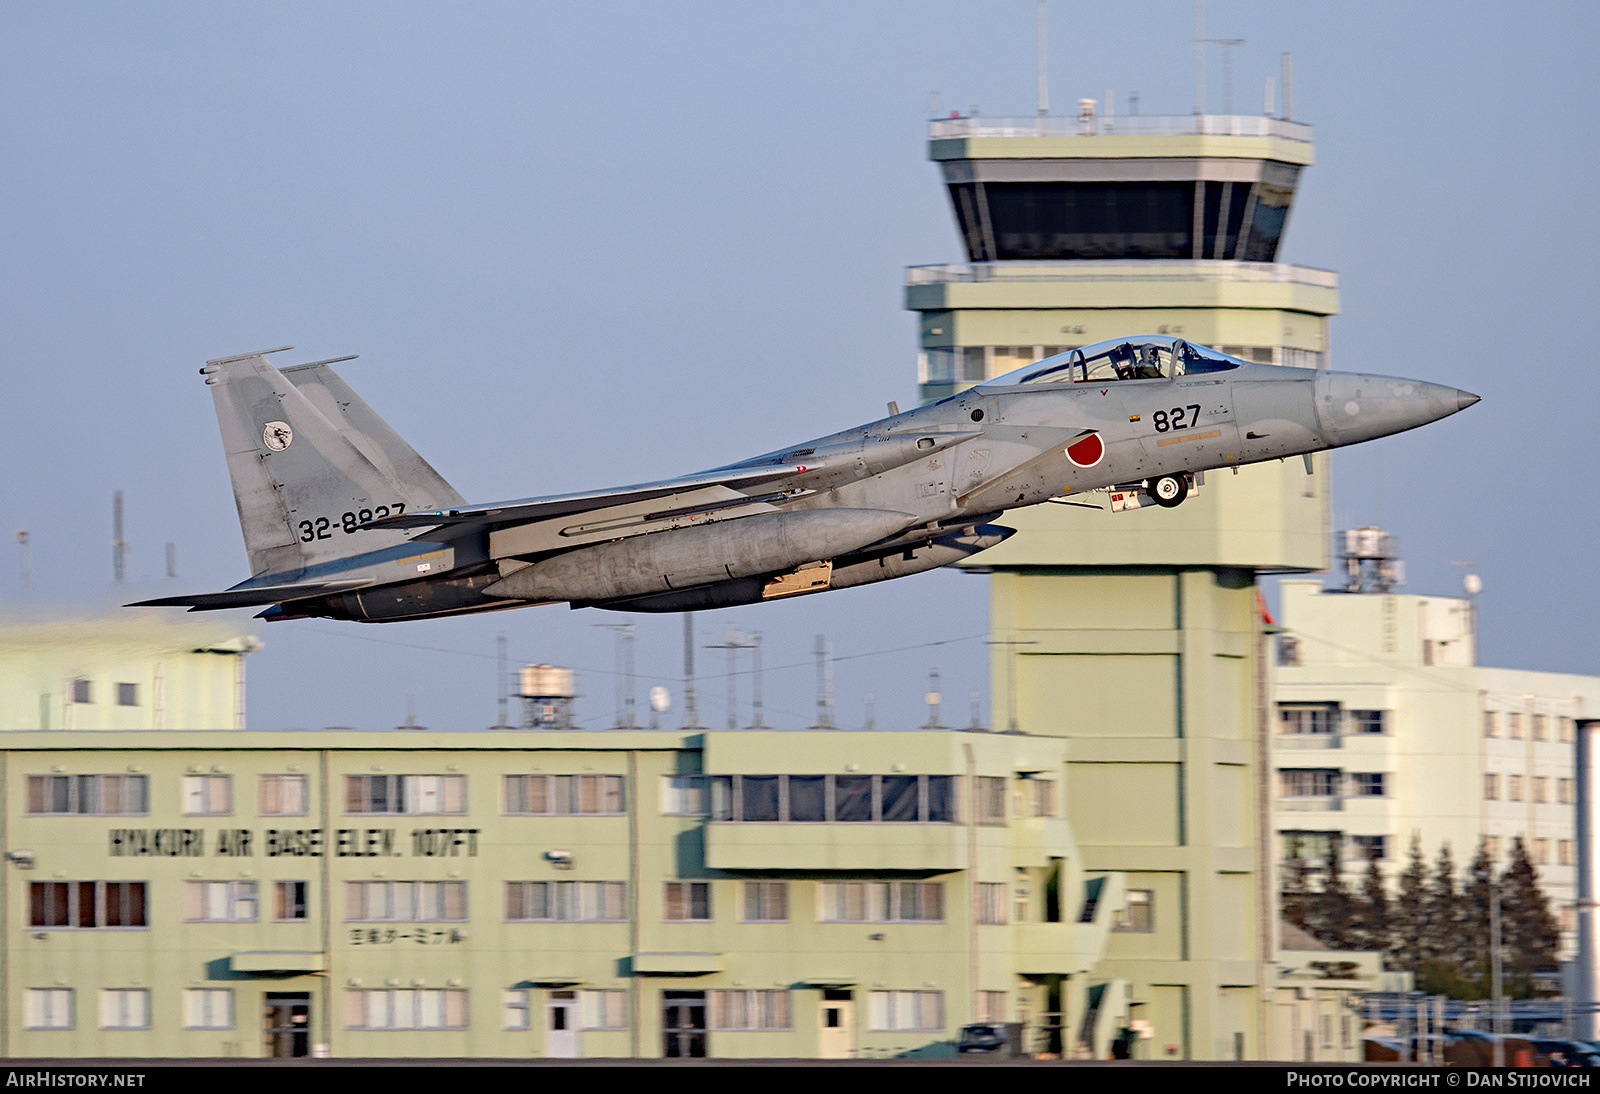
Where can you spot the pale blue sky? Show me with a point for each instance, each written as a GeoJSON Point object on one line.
{"type": "Point", "coordinates": [583, 244]}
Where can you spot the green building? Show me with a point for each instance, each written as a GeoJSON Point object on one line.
{"type": "Point", "coordinates": [517, 894]}
{"type": "Point", "coordinates": [1136, 634]}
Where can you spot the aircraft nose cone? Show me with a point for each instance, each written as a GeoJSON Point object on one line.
{"type": "Point", "coordinates": [1465, 399]}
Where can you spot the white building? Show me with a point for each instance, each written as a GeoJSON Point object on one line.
{"type": "Point", "coordinates": [1387, 726]}
{"type": "Point", "coordinates": [127, 670]}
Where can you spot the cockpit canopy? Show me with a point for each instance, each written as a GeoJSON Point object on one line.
{"type": "Point", "coordinates": [1142, 357]}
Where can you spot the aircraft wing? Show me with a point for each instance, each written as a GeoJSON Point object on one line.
{"type": "Point", "coordinates": [251, 597]}
{"type": "Point", "coordinates": [560, 505]}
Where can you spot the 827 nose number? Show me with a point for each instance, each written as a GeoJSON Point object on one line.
{"type": "Point", "coordinates": [1174, 418]}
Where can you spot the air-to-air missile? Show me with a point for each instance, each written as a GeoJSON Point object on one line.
{"type": "Point", "coordinates": [342, 519]}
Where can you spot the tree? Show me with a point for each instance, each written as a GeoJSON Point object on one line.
{"type": "Point", "coordinates": [1472, 956]}
{"type": "Point", "coordinates": [1373, 928]}
{"type": "Point", "coordinates": [1297, 896]}
{"type": "Point", "coordinates": [1442, 939]}
{"type": "Point", "coordinates": [1408, 915]}
{"type": "Point", "coordinates": [1529, 933]}
{"type": "Point", "coordinates": [1332, 918]}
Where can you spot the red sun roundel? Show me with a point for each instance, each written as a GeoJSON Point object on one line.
{"type": "Point", "coordinates": [1087, 450]}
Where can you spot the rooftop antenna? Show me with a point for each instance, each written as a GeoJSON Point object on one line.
{"type": "Point", "coordinates": [1133, 104]}
{"type": "Point", "coordinates": [118, 544]}
{"type": "Point", "coordinates": [172, 560]}
{"type": "Point", "coordinates": [411, 714]}
{"type": "Point", "coordinates": [1227, 45]}
{"type": "Point", "coordinates": [733, 642]}
{"type": "Point", "coordinates": [22, 547]}
{"type": "Point", "coordinates": [1269, 102]}
{"type": "Point", "coordinates": [691, 705]}
{"type": "Point", "coordinates": [872, 713]}
{"type": "Point", "coordinates": [932, 698]}
{"type": "Point", "coordinates": [1199, 56]}
{"type": "Point", "coordinates": [660, 703]}
{"type": "Point", "coordinates": [624, 672]}
{"type": "Point", "coordinates": [758, 720]}
{"type": "Point", "coordinates": [824, 654]}
{"type": "Point", "coordinates": [1288, 88]}
{"type": "Point", "coordinates": [977, 712]}
{"type": "Point", "coordinates": [501, 678]}
{"type": "Point", "coordinates": [1044, 51]}
{"type": "Point", "coordinates": [1011, 644]}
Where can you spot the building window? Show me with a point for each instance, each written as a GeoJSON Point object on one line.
{"type": "Point", "coordinates": [127, 695]}
{"type": "Point", "coordinates": [1514, 788]}
{"type": "Point", "coordinates": [283, 795]}
{"type": "Point", "coordinates": [766, 902]}
{"type": "Point", "coordinates": [752, 1010]}
{"type": "Point", "coordinates": [86, 904]}
{"type": "Point", "coordinates": [992, 902]}
{"type": "Point", "coordinates": [1138, 912]}
{"type": "Point", "coordinates": [603, 1009]}
{"type": "Point", "coordinates": [1565, 729]}
{"type": "Point", "coordinates": [1491, 788]}
{"type": "Point", "coordinates": [1541, 789]}
{"type": "Point", "coordinates": [921, 1011]}
{"type": "Point", "coordinates": [288, 901]}
{"type": "Point", "coordinates": [1514, 725]}
{"type": "Point", "coordinates": [405, 794]}
{"type": "Point", "coordinates": [47, 1008]}
{"type": "Point", "coordinates": [1370, 848]}
{"type": "Point", "coordinates": [1540, 727]}
{"type": "Point", "coordinates": [1367, 784]}
{"type": "Point", "coordinates": [566, 901]}
{"type": "Point", "coordinates": [1564, 792]}
{"type": "Point", "coordinates": [687, 901]}
{"type": "Point", "coordinates": [841, 799]}
{"type": "Point", "coordinates": [1369, 721]}
{"type": "Point", "coordinates": [219, 901]}
{"type": "Point", "coordinates": [1491, 847]}
{"type": "Point", "coordinates": [881, 902]}
{"type": "Point", "coordinates": [1038, 797]}
{"type": "Point", "coordinates": [1315, 782]}
{"type": "Point", "coordinates": [684, 796]}
{"type": "Point", "coordinates": [82, 691]}
{"type": "Point", "coordinates": [1314, 718]}
{"type": "Point", "coordinates": [1491, 723]}
{"type": "Point", "coordinates": [1305, 845]}
{"type": "Point", "coordinates": [562, 795]}
{"type": "Point", "coordinates": [1564, 854]}
{"type": "Point", "coordinates": [207, 1008]}
{"type": "Point", "coordinates": [400, 1008]}
{"type": "Point", "coordinates": [989, 800]}
{"type": "Point", "coordinates": [514, 1010]}
{"type": "Point", "coordinates": [207, 795]}
{"type": "Point", "coordinates": [90, 795]}
{"type": "Point", "coordinates": [1541, 852]}
{"type": "Point", "coordinates": [125, 1008]}
{"type": "Point", "coordinates": [1569, 918]}
{"type": "Point", "coordinates": [991, 1006]}
{"type": "Point", "coordinates": [405, 901]}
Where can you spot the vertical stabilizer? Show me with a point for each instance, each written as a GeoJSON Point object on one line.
{"type": "Point", "coordinates": [310, 465]}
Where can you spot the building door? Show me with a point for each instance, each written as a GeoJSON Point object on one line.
{"type": "Point", "coordinates": [287, 1024]}
{"type": "Point", "coordinates": [684, 1023]}
{"type": "Point", "coordinates": [836, 1027]}
{"type": "Point", "coordinates": [561, 1025]}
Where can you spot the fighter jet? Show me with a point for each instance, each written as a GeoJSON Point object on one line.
{"type": "Point", "coordinates": [343, 520]}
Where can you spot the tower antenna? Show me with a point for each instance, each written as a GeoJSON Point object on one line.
{"type": "Point", "coordinates": [624, 672]}
{"type": "Point", "coordinates": [1044, 63]}
{"type": "Point", "coordinates": [118, 544]}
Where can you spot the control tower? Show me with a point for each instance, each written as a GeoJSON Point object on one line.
{"type": "Point", "coordinates": [1136, 633]}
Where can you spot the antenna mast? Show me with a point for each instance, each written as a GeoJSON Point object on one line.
{"type": "Point", "coordinates": [1044, 52]}
{"type": "Point", "coordinates": [118, 544]}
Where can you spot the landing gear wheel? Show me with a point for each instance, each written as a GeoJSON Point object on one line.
{"type": "Point", "coordinates": [1169, 491]}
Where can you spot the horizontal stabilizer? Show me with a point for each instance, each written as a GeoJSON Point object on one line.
{"type": "Point", "coordinates": [247, 598]}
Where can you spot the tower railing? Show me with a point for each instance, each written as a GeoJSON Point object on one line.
{"type": "Point", "coordinates": [1127, 125]}
{"type": "Point", "coordinates": [1121, 269]}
